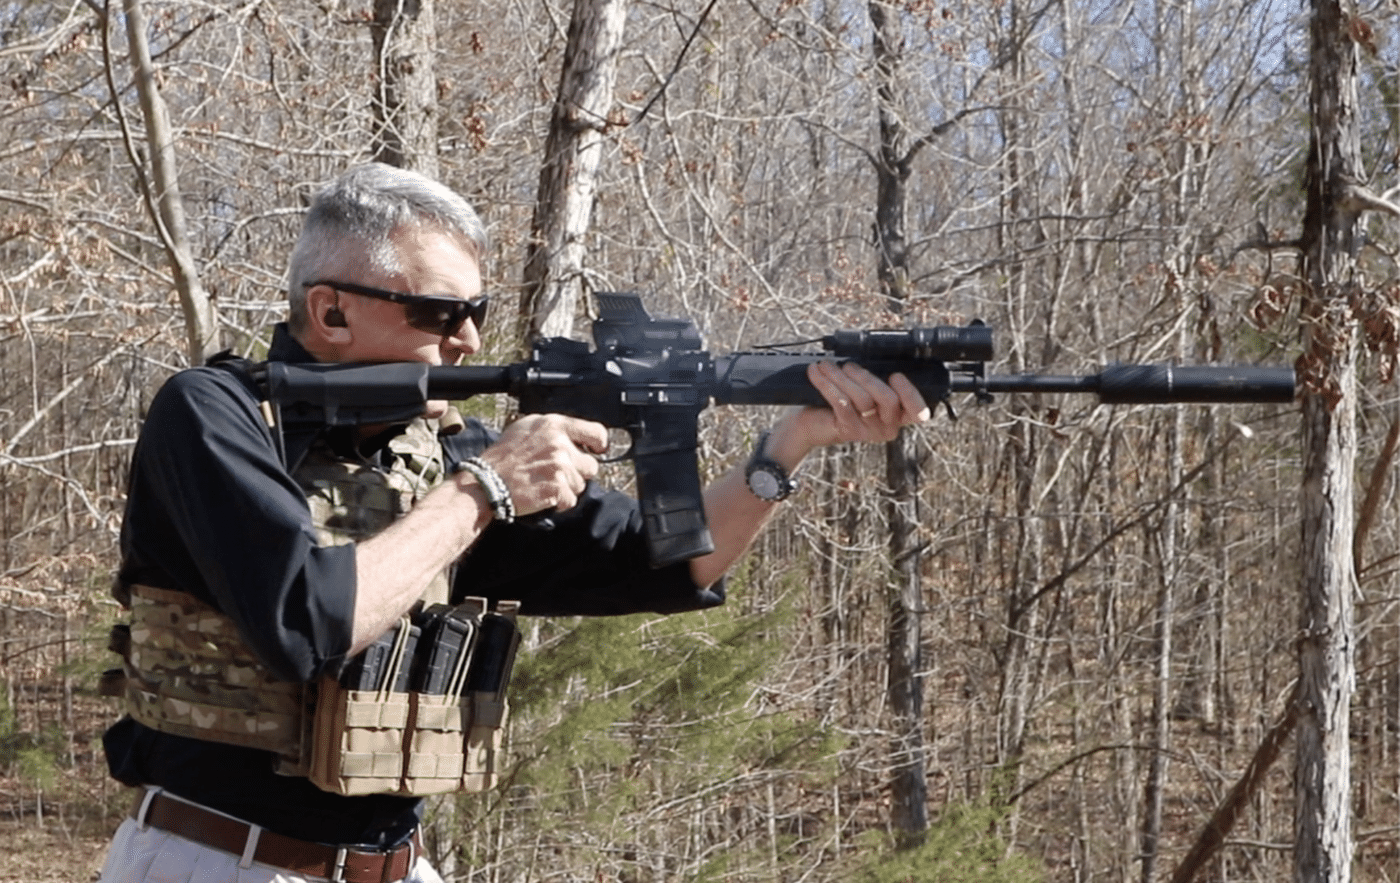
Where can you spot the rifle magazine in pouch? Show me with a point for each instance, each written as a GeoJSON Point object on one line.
{"type": "Point", "coordinates": [487, 683]}
{"type": "Point", "coordinates": [360, 719]}
{"type": "Point", "coordinates": [433, 756]}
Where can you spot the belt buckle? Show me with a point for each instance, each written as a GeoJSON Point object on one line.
{"type": "Point", "coordinates": [342, 855]}
{"type": "Point", "coordinates": [338, 872]}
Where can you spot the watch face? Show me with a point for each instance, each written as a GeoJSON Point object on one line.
{"type": "Point", "coordinates": [764, 484]}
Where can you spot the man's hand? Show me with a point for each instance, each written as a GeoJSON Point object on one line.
{"type": "Point", "coordinates": [544, 460]}
{"type": "Point", "coordinates": [860, 408]}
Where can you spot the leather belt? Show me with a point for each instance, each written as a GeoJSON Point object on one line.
{"type": "Point", "coordinates": [255, 844]}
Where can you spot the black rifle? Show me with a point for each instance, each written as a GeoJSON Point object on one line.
{"type": "Point", "coordinates": [652, 377]}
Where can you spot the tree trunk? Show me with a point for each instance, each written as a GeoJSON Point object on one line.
{"type": "Point", "coordinates": [908, 788]}
{"type": "Point", "coordinates": [163, 200]}
{"type": "Point", "coordinates": [406, 101]}
{"type": "Point", "coordinates": [1154, 790]}
{"type": "Point", "coordinates": [1022, 612]}
{"type": "Point", "coordinates": [553, 276]}
{"type": "Point", "coordinates": [1020, 236]}
{"type": "Point", "coordinates": [1322, 776]}
{"type": "Point", "coordinates": [904, 644]}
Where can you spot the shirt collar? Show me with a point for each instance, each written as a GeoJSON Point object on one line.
{"type": "Point", "coordinates": [286, 348]}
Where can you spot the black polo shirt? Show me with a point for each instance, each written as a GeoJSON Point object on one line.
{"type": "Point", "coordinates": [211, 510]}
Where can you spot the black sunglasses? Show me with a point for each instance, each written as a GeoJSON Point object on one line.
{"type": "Point", "coordinates": [438, 314]}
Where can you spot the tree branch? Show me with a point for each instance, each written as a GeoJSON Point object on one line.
{"type": "Point", "coordinates": [1212, 836]}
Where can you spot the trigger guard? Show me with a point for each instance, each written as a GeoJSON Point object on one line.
{"type": "Point", "coordinates": [607, 457]}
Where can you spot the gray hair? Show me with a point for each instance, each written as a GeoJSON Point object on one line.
{"type": "Point", "coordinates": [350, 226]}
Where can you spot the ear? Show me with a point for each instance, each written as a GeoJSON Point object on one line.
{"type": "Point", "coordinates": [324, 319]}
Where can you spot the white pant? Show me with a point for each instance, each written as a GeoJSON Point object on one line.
{"type": "Point", "coordinates": [161, 857]}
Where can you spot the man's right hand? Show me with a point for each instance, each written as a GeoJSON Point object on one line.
{"type": "Point", "coordinates": [544, 460]}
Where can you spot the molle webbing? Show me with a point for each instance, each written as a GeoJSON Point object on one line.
{"type": "Point", "coordinates": [353, 500]}
{"type": "Point", "coordinates": [185, 668]}
{"type": "Point", "coordinates": [189, 673]}
{"type": "Point", "coordinates": [425, 714]}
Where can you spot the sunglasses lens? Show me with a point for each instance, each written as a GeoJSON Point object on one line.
{"type": "Point", "coordinates": [443, 316]}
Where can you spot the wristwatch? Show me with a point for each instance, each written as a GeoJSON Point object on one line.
{"type": "Point", "coordinates": [767, 479]}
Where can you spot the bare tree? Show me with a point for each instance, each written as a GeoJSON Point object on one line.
{"type": "Point", "coordinates": [406, 99]}
{"type": "Point", "coordinates": [904, 647]}
{"type": "Point", "coordinates": [554, 275]}
{"type": "Point", "coordinates": [1331, 281]}
{"type": "Point", "coordinates": [161, 191]}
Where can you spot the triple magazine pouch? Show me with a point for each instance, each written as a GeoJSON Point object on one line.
{"type": "Point", "coordinates": [421, 710]}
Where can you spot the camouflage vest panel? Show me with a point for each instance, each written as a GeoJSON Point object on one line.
{"type": "Point", "coordinates": [352, 501]}
{"type": "Point", "coordinates": [188, 672]}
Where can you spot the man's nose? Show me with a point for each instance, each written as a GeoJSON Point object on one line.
{"type": "Point", "coordinates": [462, 342]}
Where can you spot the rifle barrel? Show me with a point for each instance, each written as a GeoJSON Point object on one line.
{"type": "Point", "coordinates": [1153, 384]}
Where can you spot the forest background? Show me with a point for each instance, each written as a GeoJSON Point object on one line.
{"type": "Point", "coordinates": [1050, 640]}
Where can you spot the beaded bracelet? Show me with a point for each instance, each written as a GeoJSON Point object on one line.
{"type": "Point", "coordinates": [497, 494]}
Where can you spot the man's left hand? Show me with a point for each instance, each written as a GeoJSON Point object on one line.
{"type": "Point", "coordinates": [860, 408]}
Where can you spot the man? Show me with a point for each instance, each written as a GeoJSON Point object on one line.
{"type": "Point", "coordinates": [255, 567]}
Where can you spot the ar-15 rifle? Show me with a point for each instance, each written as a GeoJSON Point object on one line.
{"type": "Point", "coordinates": [652, 377]}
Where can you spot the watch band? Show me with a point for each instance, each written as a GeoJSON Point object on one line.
{"type": "Point", "coordinates": [766, 477]}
